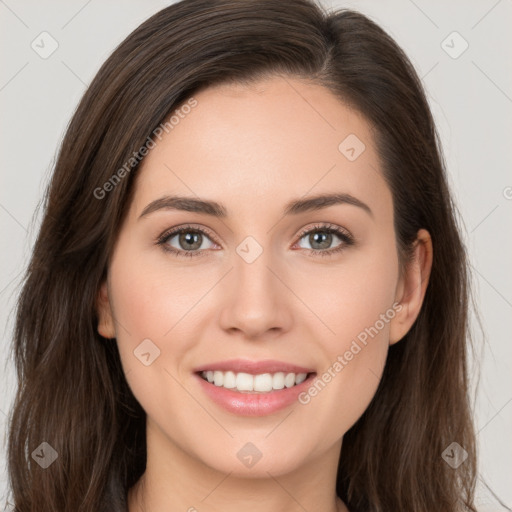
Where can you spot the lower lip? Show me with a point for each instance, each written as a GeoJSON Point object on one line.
{"type": "Point", "coordinates": [253, 404]}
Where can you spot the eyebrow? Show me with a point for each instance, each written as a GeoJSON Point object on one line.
{"type": "Point", "coordinates": [295, 207]}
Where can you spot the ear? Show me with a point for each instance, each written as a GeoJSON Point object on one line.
{"type": "Point", "coordinates": [412, 286]}
{"type": "Point", "coordinates": [104, 310]}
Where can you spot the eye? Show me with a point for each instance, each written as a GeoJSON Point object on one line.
{"type": "Point", "coordinates": [320, 237]}
{"type": "Point", "coordinates": [190, 241]}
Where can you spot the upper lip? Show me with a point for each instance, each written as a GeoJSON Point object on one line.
{"type": "Point", "coordinates": [253, 367]}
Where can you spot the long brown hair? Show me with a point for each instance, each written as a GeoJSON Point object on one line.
{"type": "Point", "coordinates": [72, 392]}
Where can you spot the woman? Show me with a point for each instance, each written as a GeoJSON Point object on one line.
{"type": "Point", "coordinates": [249, 290]}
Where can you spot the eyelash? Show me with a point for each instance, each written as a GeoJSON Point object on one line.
{"type": "Point", "coordinates": [345, 237]}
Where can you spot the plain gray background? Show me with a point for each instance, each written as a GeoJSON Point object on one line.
{"type": "Point", "coordinates": [470, 93]}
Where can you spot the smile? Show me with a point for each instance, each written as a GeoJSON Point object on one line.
{"type": "Point", "coordinates": [253, 388]}
{"type": "Point", "coordinates": [247, 383]}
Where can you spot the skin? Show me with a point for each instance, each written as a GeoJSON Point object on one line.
{"type": "Point", "coordinates": [253, 149]}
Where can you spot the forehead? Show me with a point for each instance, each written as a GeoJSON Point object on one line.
{"type": "Point", "coordinates": [251, 147]}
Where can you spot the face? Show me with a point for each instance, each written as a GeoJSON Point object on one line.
{"type": "Point", "coordinates": [264, 290]}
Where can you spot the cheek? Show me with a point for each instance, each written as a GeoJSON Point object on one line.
{"type": "Point", "coordinates": [150, 307]}
{"type": "Point", "coordinates": [141, 306]}
{"type": "Point", "coordinates": [150, 300]}
{"type": "Point", "coordinates": [352, 300]}
{"type": "Point", "coordinates": [157, 301]}
{"type": "Point", "coordinates": [356, 304]}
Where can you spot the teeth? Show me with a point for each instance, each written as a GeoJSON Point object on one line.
{"type": "Point", "coordinates": [218, 378]}
{"type": "Point", "coordinates": [263, 382]}
{"type": "Point", "coordinates": [278, 380]}
{"type": "Point", "coordinates": [289, 380]}
{"type": "Point", "coordinates": [301, 377]}
{"type": "Point", "coordinates": [229, 380]}
{"type": "Point", "coordinates": [245, 382]}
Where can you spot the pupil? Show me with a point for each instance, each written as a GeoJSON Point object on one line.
{"type": "Point", "coordinates": [320, 235]}
{"type": "Point", "coordinates": [191, 239]}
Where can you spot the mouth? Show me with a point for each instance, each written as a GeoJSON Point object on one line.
{"type": "Point", "coordinates": [247, 387]}
{"type": "Point", "coordinates": [261, 383]}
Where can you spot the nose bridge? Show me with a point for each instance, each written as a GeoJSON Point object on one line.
{"type": "Point", "coordinates": [256, 301]}
{"type": "Point", "coordinates": [251, 270]}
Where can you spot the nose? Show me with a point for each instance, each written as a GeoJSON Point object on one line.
{"type": "Point", "coordinates": [255, 301]}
